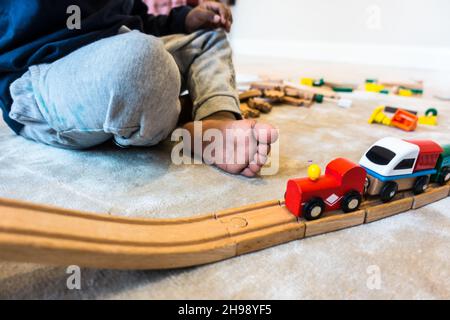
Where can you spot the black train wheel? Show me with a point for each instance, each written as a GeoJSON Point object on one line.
{"type": "Point", "coordinates": [388, 191]}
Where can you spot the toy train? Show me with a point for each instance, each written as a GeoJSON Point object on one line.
{"type": "Point", "coordinates": [389, 166]}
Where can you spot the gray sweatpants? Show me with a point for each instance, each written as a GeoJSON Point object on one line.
{"type": "Point", "coordinates": [125, 87]}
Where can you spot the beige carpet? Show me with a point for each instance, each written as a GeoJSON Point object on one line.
{"type": "Point", "coordinates": [411, 250]}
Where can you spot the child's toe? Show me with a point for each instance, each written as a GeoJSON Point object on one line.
{"type": "Point", "coordinates": [263, 149]}
{"type": "Point", "coordinates": [254, 167]}
{"type": "Point", "coordinates": [248, 173]}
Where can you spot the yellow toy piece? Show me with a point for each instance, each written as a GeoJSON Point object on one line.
{"type": "Point", "coordinates": [314, 172]}
{"type": "Point", "coordinates": [378, 116]}
{"type": "Point", "coordinates": [307, 82]}
{"type": "Point", "coordinates": [405, 93]}
{"type": "Point", "coordinates": [430, 117]}
{"type": "Point", "coordinates": [428, 120]}
{"type": "Point", "coordinates": [374, 87]}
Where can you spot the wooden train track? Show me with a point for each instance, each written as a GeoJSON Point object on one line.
{"type": "Point", "coordinates": [48, 235]}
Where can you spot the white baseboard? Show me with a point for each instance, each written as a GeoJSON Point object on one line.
{"type": "Point", "coordinates": [385, 55]}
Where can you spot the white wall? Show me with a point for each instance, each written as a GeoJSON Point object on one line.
{"type": "Point", "coordinates": [414, 33]}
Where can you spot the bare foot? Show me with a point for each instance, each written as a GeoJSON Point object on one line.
{"type": "Point", "coordinates": [246, 144]}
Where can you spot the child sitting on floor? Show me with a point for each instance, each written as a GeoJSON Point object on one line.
{"type": "Point", "coordinates": [118, 74]}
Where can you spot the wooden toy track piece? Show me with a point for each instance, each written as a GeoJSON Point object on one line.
{"type": "Point", "coordinates": [41, 234]}
{"type": "Point", "coordinates": [48, 235]}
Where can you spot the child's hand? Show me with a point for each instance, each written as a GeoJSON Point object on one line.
{"type": "Point", "coordinates": [209, 15]}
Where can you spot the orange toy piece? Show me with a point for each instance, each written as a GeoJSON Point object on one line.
{"type": "Point", "coordinates": [405, 120]}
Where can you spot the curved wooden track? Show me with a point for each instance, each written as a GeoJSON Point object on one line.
{"type": "Point", "coordinates": [48, 235]}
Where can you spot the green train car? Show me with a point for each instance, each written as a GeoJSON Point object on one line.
{"type": "Point", "coordinates": [443, 167]}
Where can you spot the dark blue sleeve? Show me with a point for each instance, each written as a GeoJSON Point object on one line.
{"type": "Point", "coordinates": [162, 25]}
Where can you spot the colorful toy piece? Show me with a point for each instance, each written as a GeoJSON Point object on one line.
{"type": "Point", "coordinates": [430, 117]}
{"type": "Point", "coordinates": [405, 120]}
{"type": "Point", "coordinates": [343, 103]}
{"type": "Point", "coordinates": [378, 116]}
{"type": "Point", "coordinates": [401, 89]}
{"type": "Point", "coordinates": [405, 92]}
{"type": "Point", "coordinates": [310, 82]}
{"type": "Point", "coordinates": [374, 87]}
{"type": "Point", "coordinates": [393, 110]}
{"type": "Point", "coordinates": [395, 165]}
{"type": "Point", "coordinates": [443, 167]}
{"type": "Point", "coordinates": [307, 82]}
{"type": "Point", "coordinates": [341, 187]}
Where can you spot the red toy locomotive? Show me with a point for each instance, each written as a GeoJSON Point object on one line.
{"type": "Point", "coordinates": [341, 187]}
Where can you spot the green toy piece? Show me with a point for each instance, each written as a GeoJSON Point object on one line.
{"type": "Point", "coordinates": [443, 167]}
{"type": "Point", "coordinates": [371, 81]}
{"type": "Point", "coordinates": [414, 91]}
{"type": "Point", "coordinates": [319, 83]}
{"type": "Point", "coordinates": [431, 112]}
{"type": "Point", "coordinates": [342, 89]}
{"type": "Point", "coordinates": [319, 98]}
{"type": "Point", "coordinates": [385, 91]}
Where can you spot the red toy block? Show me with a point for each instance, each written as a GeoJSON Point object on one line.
{"type": "Point", "coordinates": [405, 120]}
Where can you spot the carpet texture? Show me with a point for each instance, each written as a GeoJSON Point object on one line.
{"type": "Point", "coordinates": [410, 252]}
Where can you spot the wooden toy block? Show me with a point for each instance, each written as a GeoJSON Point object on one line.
{"type": "Point", "coordinates": [431, 196]}
{"type": "Point", "coordinates": [249, 94]}
{"type": "Point", "coordinates": [267, 86]}
{"type": "Point", "coordinates": [388, 209]}
{"type": "Point", "coordinates": [333, 222]}
{"type": "Point", "coordinates": [302, 93]}
{"type": "Point", "coordinates": [248, 112]}
{"type": "Point", "coordinates": [293, 101]}
{"type": "Point", "coordinates": [260, 104]}
{"type": "Point", "coordinates": [291, 92]}
{"type": "Point", "coordinates": [309, 92]}
{"type": "Point", "coordinates": [275, 95]}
